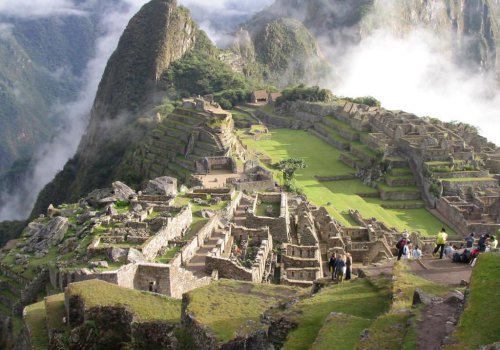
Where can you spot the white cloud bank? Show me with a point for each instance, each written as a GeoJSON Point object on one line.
{"type": "Point", "coordinates": [412, 74]}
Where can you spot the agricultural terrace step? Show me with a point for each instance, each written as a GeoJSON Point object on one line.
{"type": "Point", "coordinates": [343, 130]}
{"type": "Point", "coordinates": [459, 174]}
{"type": "Point", "coordinates": [189, 121]}
{"type": "Point", "coordinates": [171, 123]}
{"type": "Point", "coordinates": [397, 162]}
{"type": "Point", "coordinates": [185, 163]}
{"type": "Point", "coordinates": [395, 181]}
{"type": "Point", "coordinates": [401, 171]}
{"type": "Point", "coordinates": [331, 141]}
{"type": "Point", "coordinates": [329, 131]}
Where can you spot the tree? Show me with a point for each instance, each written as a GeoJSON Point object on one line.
{"type": "Point", "coordinates": [288, 168]}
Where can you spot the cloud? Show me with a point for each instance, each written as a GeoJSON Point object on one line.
{"type": "Point", "coordinates": [6, 31]}
{"type": "Point", "coordinates": [52, 156]}
{"type": "Point", "coordinates": [39, 8]}
{"type": "Point", "coordinates": [410, 72]}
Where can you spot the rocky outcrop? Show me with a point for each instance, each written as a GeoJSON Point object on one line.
{"type": "Point", "coordinates": [43, 237]}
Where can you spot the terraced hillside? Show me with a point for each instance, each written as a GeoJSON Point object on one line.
{"type": "Point", "coordinates": [324, 161]}
{"type": "Point", "coordinates": [181, 138]}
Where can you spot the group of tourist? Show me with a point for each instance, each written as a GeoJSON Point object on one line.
{"type": "Point", "coordinates": [340, 266]}
{"type": "Point", "coordinates": [406, 250]}
{"type": "Point", "coordinates": [469, 251]}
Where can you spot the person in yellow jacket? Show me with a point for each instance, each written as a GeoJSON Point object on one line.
{"type": "Point", "coordinates": [440, 242]}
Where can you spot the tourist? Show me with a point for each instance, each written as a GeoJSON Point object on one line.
{"type": "Point", "coordinates": [469, 241]}
{"type": "Point", "coordinates": [440, 241]}
{"type": "Point", "coordinates": [493, 242]}
{"type": "Point", "coordinates": [483, 240]}
{"type": "Point", "coordinates": [449, 251]}
{"type": "Point", "coordinates": [348, 263]}
{"type": "Point", "coordinates": [402, 242]}
{"type": "Point", "coordinates": [332, 264]}
{"type": "Point", "coordinates": [416, 253]}
{"type": "Point", "coordinates": [341, 268]}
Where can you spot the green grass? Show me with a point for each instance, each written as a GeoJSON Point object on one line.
{"type": "Point", "coordinates": [479, 324]}
{"type": "Point", "coordinates": [323, 160]}
{"type": "Point", "coordinates": [357, 298]}
{"type": "Point", "coordinates": [54, 305]}
{"type": "Point", "coordinates": [169, 255]}
{"type": "Point", "coordinates": [467, 179]}
{"type": "Point", "coordinates": [261, 209]}
{"type": "Point", "coordinates": [232, 308]}
{"type": "Point", "coordinates": [340, 331]}
{"type": "Point", "coordinates": [35, 320]}
{"type": "Point", "coordinates": [145, 306]}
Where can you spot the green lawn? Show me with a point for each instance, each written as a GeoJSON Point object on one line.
{"type": "Point", "coordinates": [35, 320]}
{"type": "Point", "coordinates": [232, 308]}
{"type": "Point", "coordinates": [145, 306]}
{"type": "Point", "coordinates": [323, 160]}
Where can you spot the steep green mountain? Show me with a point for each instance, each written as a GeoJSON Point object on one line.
{"type": "Point", "coordinates": [282, 52]}
{"type": "Point", "coordinates": [41, 63]}
{"type": "Point", "coordinates": [161, 54]}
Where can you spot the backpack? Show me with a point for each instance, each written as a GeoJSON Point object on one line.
{"type": "Point", "coordinates": [401, 243]}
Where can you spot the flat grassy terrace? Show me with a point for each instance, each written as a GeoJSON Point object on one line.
{"type": "Point", "coordinates": [323, 160]}
{"type": "Point", "coordinates": [35, 321]}
{"type": "Point", "coordinates": [233, 308]}
{"type": "Point", "coordinates": [145, 306]}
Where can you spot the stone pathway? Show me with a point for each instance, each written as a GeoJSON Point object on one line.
{"type": "Point", "coordinates": [442, 271]}
{"type": "Point", "coordinates": [197, 262]}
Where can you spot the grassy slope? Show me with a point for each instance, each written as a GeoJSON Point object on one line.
{"type": "Point", "coordinates": [145, 306]}
{"type": "Point", "coordinates": [231, 308]}
{"type": "Point", "coordinates": [480, 322]}
{"type": "Point", "coordinates": [323, 160]}
{"type": "Point", "coordinates": [359, 300]}
{"type": "Point", "coordinates": [35, 321]}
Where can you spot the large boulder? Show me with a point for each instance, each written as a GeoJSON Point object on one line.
{"type": "Point", "coordinates": [163, 186]}
{"type": "Point", "coordinates": [105, 196]}
{"type": "Point", "coordinates": [135, 256]}
{"type": "Point", "coordinates": [48, 235]}
{"type": "Point", "coordinates": [117, 254]}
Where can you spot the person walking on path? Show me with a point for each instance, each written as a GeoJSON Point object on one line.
{"type": "Point", "coordinates": [348, 264]}
{"type": "Point", "coordinates": [402, 242]}
{"type": "Point", "coordinates": [440, 242]}
{"type": "Point", "coordinates": [332, 264]}
{"type": "Point", "coordinates": [341, 268]}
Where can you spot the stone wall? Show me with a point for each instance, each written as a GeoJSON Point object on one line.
{"type": "Point", "coordinates": [254, 186]}
{"type": "Point", "coordinates": [228, 269]}
{"type": "Point", "coordinates": [451, 213]}
{"type": "Point", "coordinates": [190, 249]}
{"type": "Point", "coordinates": [174, 228]}
{"type": "Point", "coordinates": [399, 195]}
{"type": "Point", "coordinates": [452, 187]}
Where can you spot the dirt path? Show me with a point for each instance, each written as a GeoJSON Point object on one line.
{"type": "Point", "coordinates": [442, 271]}
{"type": "Point", "coordinates": [438, 318]}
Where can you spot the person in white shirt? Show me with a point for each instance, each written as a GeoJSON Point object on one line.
{"type": "Point", "coordinates": [416, 253]}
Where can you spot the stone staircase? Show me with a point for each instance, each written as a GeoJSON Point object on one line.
{"type": "Point", "coordinates": [197, 263]}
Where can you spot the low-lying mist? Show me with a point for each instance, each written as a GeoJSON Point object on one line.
{"type": "Point", "coordinates": [412, 73]}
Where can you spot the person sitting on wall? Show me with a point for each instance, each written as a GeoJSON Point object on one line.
{"type": "Point", "coordinates": [416, 254]}
{"type": "Point", "coordinates": [469, 240]}
{"type": "Point", "coordinates": [483, 241]}
{"type": "Point", "coordinates": [493, 242]}
{"type": "Point", "coordinates": [449, 251]}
